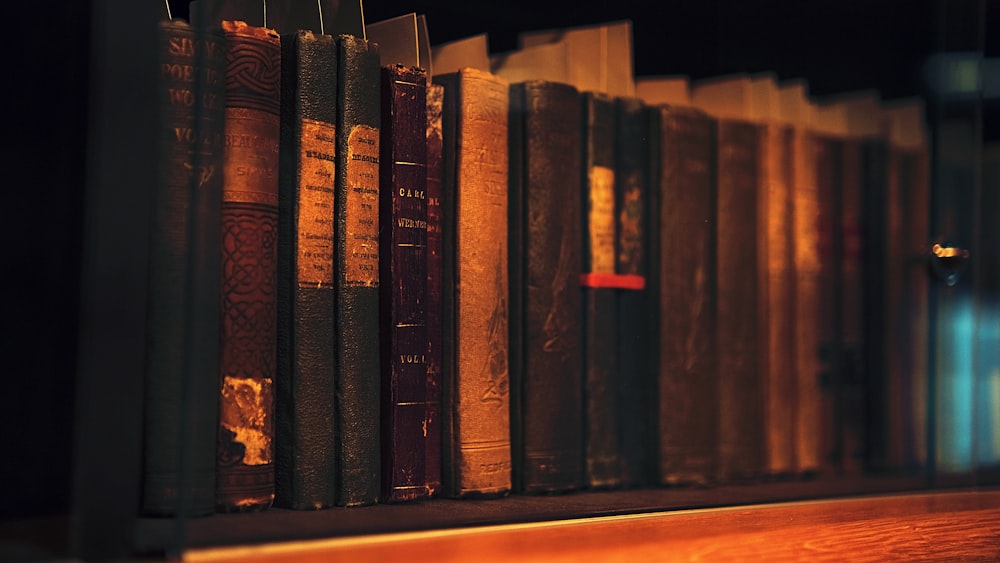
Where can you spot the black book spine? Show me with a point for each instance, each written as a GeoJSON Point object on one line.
{"type": "Point", "coordinates": [600, 338]}
{"type": "Point", "coordinates": [305, 467]}
{"type": "Point", "coordinates": [547, 418]}
{"type": "Point", "coordinates": [356, 267]}
{"type": "Point", "coordinates": [635, 383]}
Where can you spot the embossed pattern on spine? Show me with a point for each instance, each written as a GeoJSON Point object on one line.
{"type": "Point", "coordinates": [249, 269]}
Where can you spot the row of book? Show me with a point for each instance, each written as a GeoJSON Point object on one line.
{"type": "Point", "coordinates": [373, 284]}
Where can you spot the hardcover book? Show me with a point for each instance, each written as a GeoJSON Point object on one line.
{"type": "Point", "coordinates": [476, 439]}
{"type": "Point", "coordinates": [356, 271]}
{"type": "Point", "coordinates": [600, 337]}
{"type": "Point", "coordinates": [684, 265]}
{"type": "Point", "coordinates": [546, 335]}
{"type": "Point", "coordinates": [635, 327]}
{"type": "Point", "coordinates": [305, 465]}
{"type": "Point", "coordinates": [435, 260]}
{"type": "Point", "coordinates": [245, 478]}
{"type": "Point", "coordinates": [403, 282]}
{"type": "Point", "coordinates": [182, 346]}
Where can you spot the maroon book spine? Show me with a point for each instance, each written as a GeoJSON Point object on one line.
{"type": "Point", "coordinates": [435, 144]}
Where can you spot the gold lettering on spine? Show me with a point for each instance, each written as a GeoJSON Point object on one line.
{"type": "Point", "coordinates": [317, 166]}
{"type": "Point", "coordinates": [246, 404]}
{"type": "Point", "coordinates": [251, 156]}
{"type": "Point", "coordinates": [601, 220]}
{"type": "Point", "coordinates": [361, 238]}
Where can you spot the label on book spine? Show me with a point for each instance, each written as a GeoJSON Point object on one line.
{"type": "Point", "coordinates": [602, 220]}
{"type": "Point", "coordinates": [362, 207]}
{"type": "Point", "coordinates": [316, 198]}
{"type": "Point", "coordinates": [246, 407]}
{"type": "Point", "coordinates": [251, 163]}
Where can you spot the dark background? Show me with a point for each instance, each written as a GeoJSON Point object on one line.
{"type": "Point", "coordinates": [837, 46]}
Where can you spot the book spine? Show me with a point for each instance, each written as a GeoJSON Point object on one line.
{"type": "Point", "coordinates": [356, 266]}
{"type": "Point", "coordinates": [807, 267]}
{"type": "Point", "coordinates": [827, 310]}
{"type": "Point", "coordinates": [435, 145]}
{"type": "Point", "coordinates": [777, 296]}
{"type": "Point", "coordinates": [245, 478]}
{"type": "Point", "coordinates": [182, 350]}
{"type": "Point", "coordinates": [635, 386]}
{"type": "Point", "coordinates": [600, 339]}
{"type": "Point", "coordinates": [476, 439]}
{"type": "Point", "coordinates": [403, 282]}
{"type": "Point", "coordinates": [305, 467]}
{"type": "Point", "coordinates": [549, 381]}
{"type": "Point", "coordinates": [852, 377]}
{"type": "Point", "coordinates": [689, 404]}
{"type": "Point", "coordinates": [741, 352]}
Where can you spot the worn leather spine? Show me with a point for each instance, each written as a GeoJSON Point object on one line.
{"type": "Point", "coordinates": [182, 348]}
{"type": "Point", "coordinates": [777, 296]}
{"type": "Point", "coordinates": [476, 442]}
{"type": "Point", "coordinates": [740, 316]}
{"type": "Point", "coordinates": [634, 330]}
{"type": "Point", "coordinates": [249, 269]}
{"type": "Point", "coordinates": [403, 282]}
{"type": "Point", "coordinates": [600, 304]}
{"type": "Point", "coordinates": [547, 418]}
{"type": "Point", "coordinates": [688, 403]}
{"type": "Point", "coordinates": [305, 465]}
{"type": "Point", "coordinates": [435, 144]}
{"type": "Point", "coordinates": [356, 266]}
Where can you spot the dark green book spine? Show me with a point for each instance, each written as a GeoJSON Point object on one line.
{"type": "Point", "coordinates": [635, 385]}
{"type": "Point", "coordinates": [356, 267]}
{"type": "Point", "coordinates": [305, 467]}
{"type": "Point", "coordinates": [547, 417]}
{"type": "Point", "coordinates": [600, 299]}
{"type": "Point", "coordinates": [182, 348]}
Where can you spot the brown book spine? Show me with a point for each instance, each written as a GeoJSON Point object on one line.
{"type": "Point", "coordinates": [403, 281]}
{"type": "Point", "coordinates": [547, 417]}
{"type": "Point", "coordinates": [741, 342]}
{"type": "Point", "coordinates": [476, 439]}
{"type": "Point", "coordinates": [687, 408]}
{"type": "Point", "coordinates": [807, 266]}
{"type": "Point", "coordinates": [851, 379]}
{"type": "Point", "coordinates": [249, 269]}
{"type": "Point", "coordinates": [778, 296]}
{"type": "Point", "coordinates": [182, 348]}
{"type": "Point", "coordinates": [435, 144]}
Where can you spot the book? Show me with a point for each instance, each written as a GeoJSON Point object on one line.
{"type": "Point", "coordinates": [600, 338]}
{"type": "Point", "coordinates": [684, 293]}
{"type": "Point", "coordinates": [475, 311]}
{"type": "Point", "coordinates": [183, 309]}
{"type": "Point", "coordinates": [741, 282]}
{"type": "Point", "coordinates": [435, 258]}
{"type": "Point", "coordinates": [796, 110]}
{"type": "Point", "coordinates": [305, 464]}
{"type": "Point", "coordinates": [634, 326]}
{"type": "Point", "coordinates": [546, 334]}
{"type": "Point", "coordinates": [907, 285]}
{"type": "Point", "coordinates": [403, 281]}
{"type": "Point", "coordinates": [356, 267]}
{"type": "Point", "coordinates": [598, 57]}
{"type": "Point", "coordinates": [245, 479]}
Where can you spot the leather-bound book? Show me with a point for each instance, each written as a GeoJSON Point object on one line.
{"type": "Point", "coordinates": [634, 326]}
{"type": "Point", "coordinates": [435, 145]}
{"type": "Point", "coordinates": [305, 467]}
{"type": "Point", "coordinates": [249, 269]}
{"type": "Point", "coordinates": [688, 406]}
{"type": "Point", "coordinates": [741, 342]}
{"type": "Point", "coordinates": [546, 326]}
{"type": "Point", "coordinates": [356, 271]}
{"type": "Point", "coordinates": [182, 347]}
{"type": "Point", "coordinates": [600, 339]}
{"type": "Point", "coordinates": [476, 442]}
{"type": "Point", "coordinates": [403, 281]}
